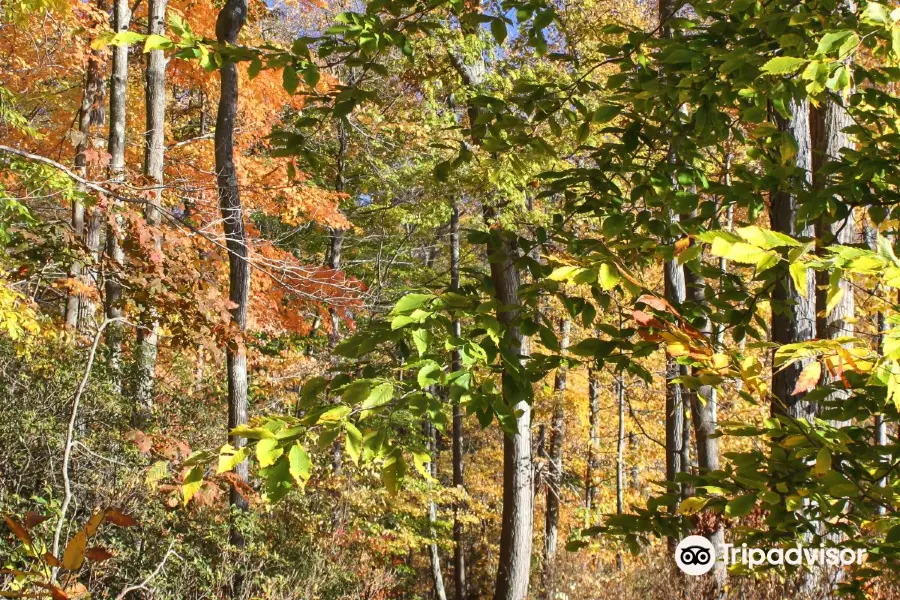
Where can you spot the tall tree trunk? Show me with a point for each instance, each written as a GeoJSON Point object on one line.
{"type": "Point", "coordinates": [513, 572]}
{"type": "Point", "coordinates": [228, 25]}
{"type": "Point", "coordinates": [118, 96]}
{"type": "Point", "coordinates": [703, 417]}
{"type": "Point", "coordinates": [793, 312]}
{"type": "Point", "coordinates": [555, 464]}
{"type": "Point", "coordinates": [593, 441]}
{"type": "Point", "coordinates": [674, 291]}
{"type": "Point", "coordinates": [335, 246]}
{"type": "Point", "coordinates": [154, 154]}
{"type": "Point", "coordinates": [880, 425]}
{"type": "Point", "coordinates": [459, 549]}
{"type": "Point", "coordinates": [433, 553]}
{"type": "Point", "coordinates": [620, 450]}
{"type": "Point", "coordinates": [90, 114]}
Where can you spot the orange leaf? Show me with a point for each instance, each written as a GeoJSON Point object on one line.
{"type": "Point", "coordinates": [73, 557]}
{"type": "Point", "coordinates": [17, 529]}
{"type": "Point", "coordinates": [646, 320]}
{"type": "Point", "coordinates": [97, 554]}
{"type": "Point", "coordinates": [682, 245]}
{"type": "Point", "coordinates": [51, 560]}
{"type": "Point", "coordinates": [117, 517]}
{"type": "Point", "coordinates": [94, 522]}
{"type": "Point", "coordinates": [809, 378]}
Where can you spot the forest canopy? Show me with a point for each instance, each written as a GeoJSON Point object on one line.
{"type": "Point", "coordinates": [449, 299]}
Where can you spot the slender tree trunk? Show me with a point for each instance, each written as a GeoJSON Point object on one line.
{"type": "Point", "coordinates": [437, 576]}
{"type": "Point", "coordinates": [514, 568]}
{"type": "Point", "coordinates": [674, 290]}
{"type": "Point", "coordinates": [154, 155]}
{"type": "Point", "coordinates": [620, 450]}
{"type": "Point", "coordinates": [335, 246]}
{"type": "Point", "coordinates": [555, 464]}
{"type": "Point", "coordinates": [793, 312]}
{"type": "Point", "coordinates": [118, 96]}
{"type": "Point", "coordinates": [459, 549]}
{"type": "Point", "coordinates": [879, 426]}
{"type": "Point", "coordinates": [228, 25]}
{"type": "Point", "coordinates": [593, 442]}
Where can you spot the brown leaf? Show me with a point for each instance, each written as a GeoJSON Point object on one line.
{"type": "Point", "coordinates": [94, 522]}
{"type": "Point", "coordinates": [809, 378]}
{"type": "Point", "coordinates": [140, 439]}
{"type": "Point", "coordinates": [32, 519]}
{"type": "Point", "coordinates": [646, 320]}
{"type": "Point", "coordinates": [97, 554]}
{"type": "Point", "coordinates": [17, 529]}
{"type": "Point", "coordinates": [73, 557]}
{"type": "Point", "coordinates": [117, 517]}
{"type": "Point", "coordinates": [55, 592]}
{"type": "Point", "coordinates": [51, 560]}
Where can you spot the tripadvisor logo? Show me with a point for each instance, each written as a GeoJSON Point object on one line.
{"type": "Point", "coordinates": [695, 555]}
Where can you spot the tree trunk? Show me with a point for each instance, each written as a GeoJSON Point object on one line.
{"type": "Point", "coordinates": [118, 91]}
{"type": "Point", "coordinates": [593, 442]}
{"type": "Point", "coordinates": [335, 246]}
{"type": "Point", "coordinates": [459, 549]}
{"type": "Point", "coordinates": [434, 555]}
{"type": "Point", "coordinates": [518, 502]}
{"type": "Point", "coordinates": [555, 464]}
{"type": "Point", "coordinates": [674, 290]}
{"type": "Point", "coordinates": [793, 313]}
{"type": "Point", "coordinates": [228, 24]}
{"type": "Point", "coordinates": [620, 450]}
{"type": "Point", "coordinates": [154, 154]}
{"type": "Point", "coordinates": [90, 114]}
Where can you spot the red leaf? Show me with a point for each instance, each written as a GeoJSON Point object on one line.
{"type": "Point", "coordinates": [808, 379]}
{"type": "Point", "coordinates": [141, 440]}
{"type": "Point", "coordinates": [32, 518]}
{"type": "Point", "coordinates": [645, 320]}
{"type": "Point", "coordinates": [97, 554]}
{"type": "Point", "coordinates": [117, 517]}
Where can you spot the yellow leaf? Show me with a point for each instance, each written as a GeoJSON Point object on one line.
{"type": "Point", "coordinates": [808, 379]}
{"type": "Point", "coordinates": [73, 557]}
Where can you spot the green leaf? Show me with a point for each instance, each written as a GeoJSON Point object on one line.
{"type": "Point", "coordinates": [335, 414]}
{"type": "Point", "coordinates": [393, 471]}
{"type": "Point", "coordinates": [606, 112]}
{"type": "Point", "coordinates": [421, 460]}
{"type": "Point", "coordinates": [229, 458]}
{"type": "Point", "coordinates": [421, 338]}
{"type": "Point", "coordinates": [823, 463]}
{"type": "Point", "coordinates": [608, 277]}
{"type": "Point", "coordinates": [613, 225]}
{"type": "Point", "coordinates": [379, 396]}
{"type": "Point", "coordinates": [311, 75]}
{"type": "Point", "coordinates": [411, 302]}
{"type": "Point", "coordinates": [289, 79]}
{"type": "Point", "coordinates": [356, 392]}
{"type": "Point", "coordinates": [740, 506]}
{"type": "Point", "coordinates": [157, 42]}
{"type": "Point", "coordinates": [692, 505]}
{"type": "Point", "coordinates": [299, 464]}
{"type": "Point", "coordinates": [430, 374]}
{"type": "Point", "coordinates": [498, 30]}
{"type": "Point", "coordinates": [353, 439]}
{"type": "Point", "coordinates": [783, 65]}
{"type": "Point", "coordinates": [267, 452]}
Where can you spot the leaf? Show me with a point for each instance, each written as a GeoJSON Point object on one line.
{"type": "Point", "coordinates": [421, 460]}
{"type": "Point", "coordinates": [783, 65]}
{"type": "Point", "coordinates": [353, 439]}
{"type": "Point", "coordinates": [229, 458]}
{"type": "Point", "coordinates": [613, 225]}
{"type": "Point", "coordinates": [97, 554]}
{"type": "Point", "coordinates": [740, 506]}
{"type": "Point", "coordinates": [300, 466]}
{"type": "Point", "coordinates": [393, 471]}
{"type": "Point", "coordinates": [564, 273]}
{"type": "Point", "coordinates": [192, 483]}
{"type": "Point", "coordinates": [157, 42]}
{"type": "Point", "coordinates": [823, 462]}
{"type": "Point", "coordinates": [421, 338]}
{"type": "Point", "coordinates": [692, 505]}
{"type": "Point", "coordinates": [766, 238]}
{"type": "Point", "coordinates": [428, 375]}
{"type": "Point", "coordinates": [606, 112]}
{"type": "Point", "coordinates": [33, 519]}
{"type": "Point", "coordinates": [93, 524]}
{"type": "Point", "coordinates": [18, 530]}
{"type": "Point", "coordinates": [809, 378]}
{"type": "Point", "coordinates": [311, 75]}
{"type": "Point", "coordinates": [799, 273]}
{"type": "Point", "coordinates": [410, 302]}
{"type": "Point", "coordinates": [156, 473]}
{"type": "Point", "coordinates": [267, 452]}
{"type": "Point", "coordinates": [73, 556]}
{"type": "Point", "coordinates": [498, 30]}
{"type": "Point", "coordinates": [290, 80]}
{"type": "Point", "coordinates": [51, 560]}
{"type": "Point", "coordinates": [379, 396]}
{"type": "Point", "coordinates": [335, 414]}
{"type": "Point", "coordinates": [608, 276]}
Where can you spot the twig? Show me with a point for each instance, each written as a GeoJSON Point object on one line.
{"type": "Point", "coordinates": [70, 435]}
{"type": "Point", "coordinates": [143, 585]}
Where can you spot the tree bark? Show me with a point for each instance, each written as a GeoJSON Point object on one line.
{"type": "Point", "coordinates": [229, 23]}
{"type": "Point", "coordinates": [593, 442]}
{"type": "Point", "coordinates": [793, 313]}
{"type": "Point", "coordinates": [555, 464]}
{"type": "Point", "coordinates": [513, 572]}
{"type": "Point", "coordinates": [459, 549]}
{"type": "Point", "coordinates": [437, 576]}
{"type": "Point", "coordinates": [674, 291]}
{"type": "Point", "coordinates": [620, 450]}
{"type": "Point", "coordinates": [118, 95]}
{"type": "Point", "coordinates": [154, 155]}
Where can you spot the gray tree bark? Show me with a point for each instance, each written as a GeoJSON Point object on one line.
{"type": "Point", "coordinates": [154, 156]}
{"type": "Point", "coordinates": [229, 23]}
{"type": "Point", "coordinates": [593, 442]}
{"type": "Point", "coordinates": [517, 526]}
{"type": "Point", "coordinates": [459, 549]}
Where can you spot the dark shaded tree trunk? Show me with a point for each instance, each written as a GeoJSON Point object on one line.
{"type": "Point", "coordinates": [514, 568]}
{"type": "Point", "coordinates": [593, 442]}
{"type": "Point", "coordinates": [555, 464]}
{"type": "Point", "coordinates": [154, 155]}
{"type": "Point", "coordinates": [229, 23]}
{"type": "Point", "coordinates": [459, 549]}
{"type": "Point", "coordinates": [118, 93]}
{"type": "Point", "coordinates": [793, 312]}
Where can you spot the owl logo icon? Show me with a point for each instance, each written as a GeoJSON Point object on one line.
{"type": "Point", "coordinates": [695, 555]}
